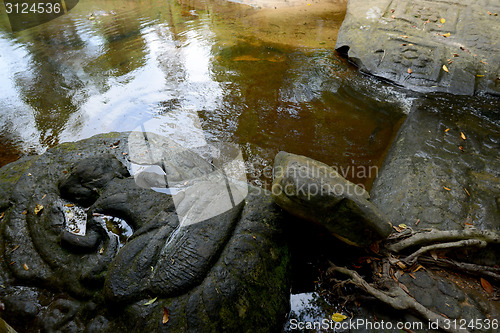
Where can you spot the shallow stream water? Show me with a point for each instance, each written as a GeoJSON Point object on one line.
{"type": "Point", "coordinates": [266, 78]}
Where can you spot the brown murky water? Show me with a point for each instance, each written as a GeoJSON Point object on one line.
{"type": "Point", "coordinates": [265, 77]}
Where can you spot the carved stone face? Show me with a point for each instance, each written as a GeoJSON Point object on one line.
{"type": "Point", "coordinates": [194, 234]}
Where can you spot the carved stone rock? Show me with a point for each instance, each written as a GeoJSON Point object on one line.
{"type": "Point", "coordinates": [426, 45]}
{"type": "Point", "coordinates": [227, 270]}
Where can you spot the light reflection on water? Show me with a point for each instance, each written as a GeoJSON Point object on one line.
{"type": "Point", "coordinates": [114, 65]}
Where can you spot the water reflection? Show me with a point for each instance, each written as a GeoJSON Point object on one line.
{"type": "Point", "coordinates": [242, 71]}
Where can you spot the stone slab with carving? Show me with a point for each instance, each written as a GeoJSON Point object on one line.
{"type": "Point", "coordinates": [188, 265]}
{"type": "Point", "coordinates": [426, 45]}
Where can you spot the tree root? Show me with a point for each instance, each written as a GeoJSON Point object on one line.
{"type": "Point", "coordinates": [410, 260]}
{"type": "Point", "coordinates": [396, 297]}
{"type": "Point", "coordinates": [471, 269]}
{"type": "Point", "coordinates": [388, 290]}
{"type": "Point", "coordinates": [428, 236]}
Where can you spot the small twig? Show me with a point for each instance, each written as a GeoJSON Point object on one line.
{"type": "Point", "coordinates": [410, 260]}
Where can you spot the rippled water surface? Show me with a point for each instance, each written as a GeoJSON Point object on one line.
{"type": "Point", "coordinates": [263, 77]}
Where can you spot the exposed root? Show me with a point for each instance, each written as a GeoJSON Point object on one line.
{"type": "Point", "coordinates": [410, 260]}
{"type": "Point", "coordinates": [429, 236]}
{"type": "Point", "coordinates": [388, 290]}
{"type": "Point", "coordinates": [471, 269]}
{"type": "Point", "coordinates": [396, 297]}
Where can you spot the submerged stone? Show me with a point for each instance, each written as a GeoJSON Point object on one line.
{"type": "Point", "coordinates": [316, 192]}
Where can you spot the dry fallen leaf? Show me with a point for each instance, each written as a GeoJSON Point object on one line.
{"type": "Point", "coordinates": [447, 35]}
{"type": "Point", "coordinates": [69, 205]}
{"type": "Point", "coordinates": [443, 20]}
{"type": "Point", "coordinates": [25, 267]}
{"type": "Point", "coordinates": [434, 255]}
{"type": "Point", "coordinates": [446, 130]}
{"type": "Point", "coordinates": [374, 247]}
{"type": "Point", "coordinates": [25, 212]}
{"type": "Point", "coordinates": [401, 265]}
{"type": "Point", "coordinates": [1, 215]}
{"type": "Point", "coordinates": [446, 188]}
{"type": "Point", "coordinates": [402, 286]}
{"type": "Point", "coordinates": [409, 70]}
{"type": "Point", "coordinates": [338, 317]}
{"type": "Point", "coordinates": [166, 315]}
{"type": "Point", "coordinates": [487, 286]}
{"type": "Point", "coordinates": [462, 135]}
{"type": "Point", "coordinates": [151, 301]}
{"type": "Point", "coordinates": [479, 75]}
{"type": "Point", "coordinates": [418, 267]}
{"type": "Point", "coordinates": [446, 69]}
{"type": "Point", "coordinates": [467, 192]}
{"type": "Point", "coordinates": [38, 209]}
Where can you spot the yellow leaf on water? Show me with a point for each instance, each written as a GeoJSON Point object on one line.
{"type": "Point", "coordinates": [447, 35]}
{"type": "Point", "coordinates": [479, 75]}
{"type": "Point", "coordinates": [38, 209]}
{"type": "Point", "coordinates": [446, 188]}
{"type": "Point", "coordinates": [443, 20]}
{"type": "Point", "coordinates": [151, 301]}
{"type": "Point", "coordinates": [166, 315]}
{"type": "Point", "coordinates": [26, 267]}
{"type": "Point", "coordinates": [446, 130]}
{"type": "Point", "coordinates": [462, 135]}
{"type": "Point", "coordinates": [69, 205]}
{"type": "Point", "coordinates": [409, 70]}
{"type": "Point", "coordinates": [445, 69]}
{"type": "Point", "coordinates": [338, 317]}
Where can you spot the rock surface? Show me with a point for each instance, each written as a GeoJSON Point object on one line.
{"type": "Point", "coordinates": [443, 172]}
{"type": "Point", "coordinates": [443, 169]}
{"type": "Point", "coordinates": [426, 45]}
{"type": "Point", "coordinates": [317, 192]}
{"type": "Point", "coordinates": [225, 273]}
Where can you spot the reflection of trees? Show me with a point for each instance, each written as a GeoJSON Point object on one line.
{"type": "Point", "coordinates": [66, 64]}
